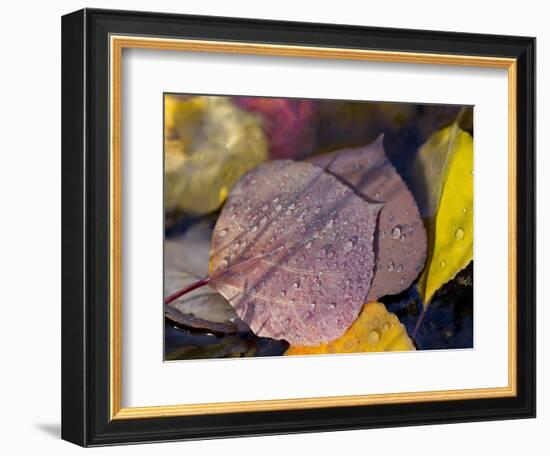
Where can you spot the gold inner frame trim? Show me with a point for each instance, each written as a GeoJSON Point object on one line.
{"type": "Point", "coordinates": [117, 44]}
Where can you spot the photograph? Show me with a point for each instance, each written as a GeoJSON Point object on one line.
{"type": "Point", "coordinates": [270, 226]}
{"type": "Point", "coordinates": [297, 226]}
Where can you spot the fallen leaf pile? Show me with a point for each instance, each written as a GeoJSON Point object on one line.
{"type": "Point", "coordinates": [296, 248]}
{"type": "Point", "coordinates": [299, 247]}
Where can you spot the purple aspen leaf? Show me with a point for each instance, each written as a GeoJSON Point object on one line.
{"type": "Point", "coordinates": [400, 240]}
{"type": "Point", "coordinates": [292, 252]}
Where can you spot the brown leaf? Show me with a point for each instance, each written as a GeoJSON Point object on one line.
{"type": "Point", "coordinates": [400, 243]}
{"type": "Point", "coordinates": [292, 251]}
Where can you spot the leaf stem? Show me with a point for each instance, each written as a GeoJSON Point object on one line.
{"type": "Point", "coordinates": [419, 322]}
{"type": "Point", "coordinates": [184, 291]}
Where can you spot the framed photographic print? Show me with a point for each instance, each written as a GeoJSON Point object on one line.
{"type": "Point", "coordinates": [275, 227]}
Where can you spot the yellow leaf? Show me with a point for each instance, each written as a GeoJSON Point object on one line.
{"type": "Point", "coordinates": [170, 105]}
{"type": "Point", "coordinates": [209, 144]}
{"type": "Point", "coordinates": [375, 330]}
{"type": "Point", "coordinates": [445, 163]}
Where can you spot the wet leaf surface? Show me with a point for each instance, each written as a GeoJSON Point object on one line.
{"type": "Point", "coordinates": [292, 251]}
{"type": "Point", "coordinates": [400, 239]}
{"type": "Point", "coordinates": [444, 168]}
{"type": "Point", "coordinates": [211, 141]}
{"type": "Point", "coordinates": [375, 330]}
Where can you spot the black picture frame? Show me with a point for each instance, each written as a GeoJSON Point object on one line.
{"type": "Point", "coordinates": [85, 228]}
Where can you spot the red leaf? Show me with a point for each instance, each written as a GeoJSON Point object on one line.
{"type": "Point", "coordinates": [289, 124]}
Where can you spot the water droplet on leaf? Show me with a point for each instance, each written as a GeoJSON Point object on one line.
{"type": "Point", "coordinates": [396, 232]}
{"type": "Point", "coordinates": [373, 337]}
